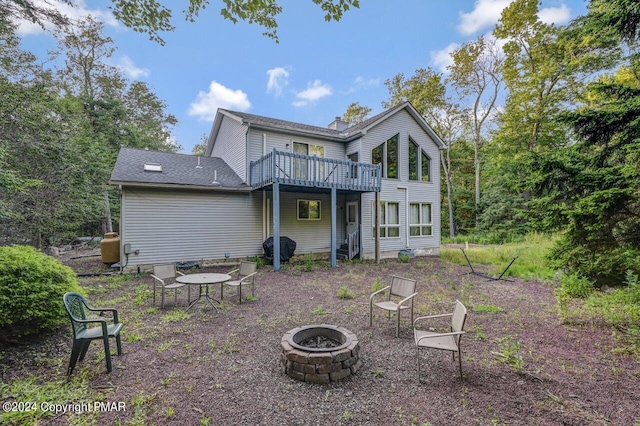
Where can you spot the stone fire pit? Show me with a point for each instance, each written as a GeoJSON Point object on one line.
{"type": "Point", "coordinates": [319, 353]}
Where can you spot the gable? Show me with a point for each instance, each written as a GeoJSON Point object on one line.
{"type": "Point", "coordinates": [356, 131]}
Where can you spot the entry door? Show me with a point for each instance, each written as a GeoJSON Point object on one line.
{"type": "Point", "coordinates": [352, 217]}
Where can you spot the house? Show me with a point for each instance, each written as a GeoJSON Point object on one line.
{"type": "Point", "coordinates": [263, 177]}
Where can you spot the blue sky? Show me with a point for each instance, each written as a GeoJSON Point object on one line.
{"type": "Point", "coordinates": [316, 70]}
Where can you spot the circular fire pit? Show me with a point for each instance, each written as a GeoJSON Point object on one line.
{"type": "Point", "coordinates": [319, 353]}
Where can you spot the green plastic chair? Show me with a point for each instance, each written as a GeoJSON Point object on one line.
{"type": "Point", "coordinates": [78, 308]}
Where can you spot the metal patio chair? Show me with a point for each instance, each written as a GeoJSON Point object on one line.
{"type": "Point", "coordinates": [164, 276]}
{"type": "Point", "coordinates": [444, 341]}
{"type": "Point", "coordinates": [245, 275]}
{"type": "Point", "coordinates": [400, 288]}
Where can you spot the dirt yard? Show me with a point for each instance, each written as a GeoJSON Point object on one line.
{"type": "Point", "coordinates": [521, 365]}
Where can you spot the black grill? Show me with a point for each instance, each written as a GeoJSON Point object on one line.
{"type": "Point", "coordinates": [287, 247]}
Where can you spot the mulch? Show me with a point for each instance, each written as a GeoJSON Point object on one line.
{"type": "Point", "coordinates": [521, 365]}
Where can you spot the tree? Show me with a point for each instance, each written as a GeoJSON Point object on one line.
{"type": "Point", "coordinates": [544, 71]}
{"type": "Point", "coordinates": [153, 17]}
{"type": "Point", "coordinates": [35, 11]}
{"type": "Point", "coordinates": [476, 75]}
{"type": "Point", "coordinates": [119, 113]}
{"type": "Point", "coordinates": [595, 181]}
{"type": "Point", "coordinates": [356, 113]}
{"type": "Point", "coordinates": [201, 148]}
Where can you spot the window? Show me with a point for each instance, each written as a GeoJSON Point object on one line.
{"type": "Point", "coordinates": [303, 165]}
{"type": "Point", "coordinates": [389, 219]}
{"type": "Point", "coordinates": [425, 162]}
{"type": "Point", "coordinates": [353, 170]}
{"type": "Point", "coordinates": [413, 160]}
{"type": "Point", "coordinates": [308, 209]}
{"type": "Point", "coordinates": [419, 163]}
{"type": "Point", "coordinates": [419, 219]}
{"type": "Point", "coordinates": [387, 154]}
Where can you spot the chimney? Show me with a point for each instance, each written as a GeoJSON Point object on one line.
{"type": "Point", "coordinates": [338, 124]}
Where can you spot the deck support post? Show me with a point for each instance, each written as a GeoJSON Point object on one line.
{"type": "Point", "coordinates": [377, 226]}
{"type": "Point", "coordinates": [276, 226]}
{"type": "Point", "coordinates": [334, 201]}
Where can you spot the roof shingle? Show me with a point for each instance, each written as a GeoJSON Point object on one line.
{"type": "Point", "coordinates": [177, 169]}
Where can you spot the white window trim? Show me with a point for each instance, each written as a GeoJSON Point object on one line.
{"type": "Point", "coordinates": [419, 152]}
{"type": "Point", "coordinates": [386, 215]}
{"type": "Point", "coordinates": [309, 201]}
{"type": "Point", "coordinates": [421, 224]}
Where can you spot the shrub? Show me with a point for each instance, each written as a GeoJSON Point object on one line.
{"type": "Point", "coordinates": [576, 285]}
{"type": "Point", "coordinates": [309, 262]}
{"type": "Point", "coordinates": [345, 293]}
{"type": "Point", "coordinates": [259, 260]}
{"type": "Point", "coordinates": [31, 288]}
{"type": "Point", "coordinates": [377, 285]}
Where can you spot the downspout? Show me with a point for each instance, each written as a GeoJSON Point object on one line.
{"type": "Point", "coordinates": [122, 227]}
{"type": "Point", "coordinates": [406, 212]}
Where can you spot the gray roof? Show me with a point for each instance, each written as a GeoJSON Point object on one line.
{"type": "Point", "coordinates": [177, 170]}
{"type": "Point", "coordinates": [345, 135]}
{"type": "Point", "coordinates": [258, 120]}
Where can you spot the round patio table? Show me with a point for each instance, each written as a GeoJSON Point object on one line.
{"type": "Point", "coordinates": [203, 280]}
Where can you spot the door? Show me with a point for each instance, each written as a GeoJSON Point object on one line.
{"type": "Point", "coordinates": [352, 217]}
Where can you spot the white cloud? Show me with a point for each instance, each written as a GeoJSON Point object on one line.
{"type": "Point", "coordinates": [218, 96]}
{"type": "Point", "coordinates": [364, 83]}
{"type": "Point", "coordinates": [555, 15]}
{"type": "Point", "coordinates": [441, 59]}
{"type": "Point", "coordinates": [361, 83]}
{"type": "Point", "coordinates": [129, 69]}
{"type": "Point", "coordinates": [278, 79]}
{"type": "Point", "coordinates": [484, 15]}
{"type": "Point", "coordinates": [313, 92]}
{"type": "Point", "coordinates": [77, 11]}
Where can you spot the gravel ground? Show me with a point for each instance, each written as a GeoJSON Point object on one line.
{"type": "Point", "coordinates": [520, 364]}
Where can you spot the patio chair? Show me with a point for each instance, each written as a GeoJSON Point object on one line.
{"type": "Point", "coordinates": [164, 276]}
{"type": "Point", "coordinates": [404, 288]}
{"type": "Point", "coordinates": [443, 341]}
{"type": "Point", "coordinates": [80, 314]}
{"type": "Point", "coordinates": [244, 275]}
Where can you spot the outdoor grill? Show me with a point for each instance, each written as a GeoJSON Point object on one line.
{"type": "Point", "coordinates": [287, 247]}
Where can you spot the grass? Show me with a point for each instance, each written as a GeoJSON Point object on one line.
{"type": "Point", "coordinates": [345, 293]}
{"type": "Point", "coordinates": [42, 399]}
{"type": "Point", "coordinates": [530, 262]}
{"type": "Point", "coordinates": [487, 308]}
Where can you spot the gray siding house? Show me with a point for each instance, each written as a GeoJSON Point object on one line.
{"type": "Point", "coordinates": [263, 177]}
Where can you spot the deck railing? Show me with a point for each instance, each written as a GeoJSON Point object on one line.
{"type": "Point", "coordinates": [304, 170]}
{"type": "Point", "coordinates": [353, 243]}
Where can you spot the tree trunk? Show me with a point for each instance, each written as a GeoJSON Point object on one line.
{"type": "Point", "coordinates": [476, 161]}
{"type": "Point", "coordinates": [446, 164]}
{"type": "Point", "coordinates": [107, 224]}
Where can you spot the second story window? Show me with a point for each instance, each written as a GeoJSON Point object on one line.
{"type": "Point", "coordinates": [419, 163]}
{"type": "Point", "coordinates": [304, 167]}
{"type": "Point", "coordinates": [387, 154]}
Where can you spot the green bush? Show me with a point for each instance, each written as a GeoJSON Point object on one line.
{"type": "Point", "coordinates": [31, 288]}
{"type": "Point", "coordinates": [576, 285]}
{"type": "Point", "coordinates": [345, 293]}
